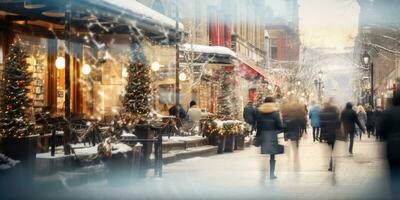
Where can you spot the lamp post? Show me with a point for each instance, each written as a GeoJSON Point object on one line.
{"type": "Point", "coordinates": [177, 55]}
{"type": "Point", "coordinates": [366, 60]}
{"type": "Point", "coordinates": [318, 85]}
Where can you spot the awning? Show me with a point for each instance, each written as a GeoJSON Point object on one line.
{"type": "Point", "coordinates": [91, 16]}
{"type": "Point", "coordinates": [203, 53]}
{"type": "Point", "coordinates": [142, 11]}
{"type": "Point", "coordinates": [249, 69]}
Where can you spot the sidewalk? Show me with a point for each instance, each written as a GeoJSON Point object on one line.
{"type": "Point", "coordinates": [237, 176]}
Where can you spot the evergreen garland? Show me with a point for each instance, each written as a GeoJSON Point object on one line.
{"type": "Point", "coordinates": [138, 90]}
{"type": "Point", "coordinates": [15, 103]}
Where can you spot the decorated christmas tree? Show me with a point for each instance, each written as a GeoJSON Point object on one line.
{"type": "Point", "coordinates": [225, 108]}
{"type": "Point", "coordinates": [137, 97]}
{"type": "Point", "coordinates": [15, 104]}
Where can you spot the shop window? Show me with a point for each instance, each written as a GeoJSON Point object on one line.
{"type": "Point", "coordinates": [37, 60]}
{"type": "Point", "coordinates": [103, 89]}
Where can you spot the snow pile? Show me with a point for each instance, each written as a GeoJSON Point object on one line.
{"type": "Point", "coordinates": [6, 162]}
{"type": "Point", "coordinates": [86, 151]}
{"type": "Point", "coordinates": [144, 11]}
{"type": "Point", "coordinates": [127, 134]}
{"type": "Point", "coordinates": [208, 49]}
{"type": "Point", "coordinates": [120, 148]}
{"type": "Point", "coordinates": [181, 138]}
{"type": "Point", "coordinates": [220, 123]}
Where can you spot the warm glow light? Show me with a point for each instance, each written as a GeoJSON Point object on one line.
{"type": "Point", "coordinates": [269, 87]}
{"type": "Point", "coordinates": [298, 82]}
{"type": "Point", "coordinates": [182, 76]}
{"type": "Point", "coordinates": [86, 69]}
{"type": "Point", "coordinates": [60, 63]}
{"type": "Point", "coordinates": [124, 72]}
{"type": "Point", "coordinates": [155, 66]}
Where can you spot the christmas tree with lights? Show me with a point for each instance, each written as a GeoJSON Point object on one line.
{"type": "Point", "coordinates": [15, 103]}
{"type": "Point", "coordinates": [225, 99]}
{"type": "Point", "coordinates": [137, 97]}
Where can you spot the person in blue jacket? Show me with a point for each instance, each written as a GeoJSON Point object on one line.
{"type": "Point", "coordinates": [315, 120]}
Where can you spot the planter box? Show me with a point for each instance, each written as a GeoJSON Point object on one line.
{"type": "Point", "coordinates": [221, 144]}
{"type": "Point", "coordinates": [230, 143]}
{"type": "Point", "coordinates": [213, 140]}
{"type": "Point", "coordinates": [23, 150]}
{"type": "Point", "coordinates": [144, 131]}
{"type": "Point", "coordinates": [119, 168]}
{"type": "Point", "coordinates": [239, 142]}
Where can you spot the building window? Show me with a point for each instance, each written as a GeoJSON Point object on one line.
{"type": "Point", "coordinates": [157, 5]}
{"type": "Point", "coordinates": [274, 48]}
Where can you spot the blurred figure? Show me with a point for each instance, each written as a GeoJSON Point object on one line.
{"type": "Point", "coordinates": [362, 117]}
{"type": "Point", "coordinates": [295, 119]}
{"type": "Point", "coordinates": [330, 125]}
{"type": "Point", "coordinates": [194, 116]}
{"type": "Point", "coordinates": [179, 112]}
{"type": "Point", "coordinates": [389, 129]}
{"type": "Point", "coordinates": [269, 124]}
{"type": "Point", "coordinates": [349, 118]}
{"type": "Point", "coordinates": [315, 120]}
{"type": "Point", "coordinates": [164, 110]}
{"type": "Point", "coordinates": [378, 114]}
{"type": "Point", "coordinates": [248, 113]}
{"type": "Point", "coordinates": [370, 125]}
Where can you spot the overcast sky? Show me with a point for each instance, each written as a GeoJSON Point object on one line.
{"type": "Point", "coordinates": [328, 23]}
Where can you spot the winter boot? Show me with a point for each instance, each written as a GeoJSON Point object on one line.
{"type": "Point", "coordinates": [272, 170]}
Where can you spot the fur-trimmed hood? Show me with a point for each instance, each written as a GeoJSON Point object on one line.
{"type": "Point", "coordinates": [268, 108]}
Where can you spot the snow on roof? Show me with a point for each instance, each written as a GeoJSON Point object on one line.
{"type": "Point", "coordinates": [146, 12]}
{"type": "Point", "coordinates": [208, 49]}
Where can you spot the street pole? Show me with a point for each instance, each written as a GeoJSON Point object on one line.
{"type": "Point", "coordinates": [67, 101]}
{"type": "Point", "coordinates": [372, 86]}
{"type": "Point", "coordinates": [177, 57]}
{"type": "Point", "coordinates": [319, 92]}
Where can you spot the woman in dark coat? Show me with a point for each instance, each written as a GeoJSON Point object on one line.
{"type": "Point", "coordinates": [268, 123]}
{"type": "Point", "coordinates": [370, 125]}
{"type": "Point", "coordinates": [330, 125]}
{"type": "Point", "coordinates": [389, 129]}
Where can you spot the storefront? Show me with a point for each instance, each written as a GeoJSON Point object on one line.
{"type": "Point", "coordinates": [95, 38]}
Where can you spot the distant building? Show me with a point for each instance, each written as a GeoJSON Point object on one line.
{"type": "Point", "coordinates": [379, 33]}
{"type": "Point", "coordinates": [282, 24]}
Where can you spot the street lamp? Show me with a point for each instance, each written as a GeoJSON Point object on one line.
{"type": "Point", "coordinates": [366, 60]}
{"type": "Point", "coordinates": [318, 85]}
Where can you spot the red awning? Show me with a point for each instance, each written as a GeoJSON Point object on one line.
{"type": "Point", "coordinates": [248, 69]}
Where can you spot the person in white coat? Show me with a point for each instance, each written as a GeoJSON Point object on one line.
{"type": "Point", "coordinates": [194, 116]}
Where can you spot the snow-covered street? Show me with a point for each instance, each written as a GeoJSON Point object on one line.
{"type": "Point", "coordinates": [237, 176]}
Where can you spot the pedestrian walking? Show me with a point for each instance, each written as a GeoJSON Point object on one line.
{"type": "Point", "coordinates": [294, 119]}
{"type": "Point", "coordinates": [315, 120]}
{"type": "Point", "coordinates": [362, 117]}
{"type": "Point", "coordinates": [389, 129]}
{"type": "Point", "coordinates": [378, 114]}
{"type": "Point", "coordinates": [370, 125]}
{"type": "Point", "coordinates": [248, 113]}
{"type": "Point", "coordinates": [330, 125]}
{"type": "Point", "coordinates": [269, 124]}
{"type": "Point", "coordinates": [349, 119]}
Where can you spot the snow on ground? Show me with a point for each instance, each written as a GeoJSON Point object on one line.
{"type": "Point", "coordinates": [181, 138]}
{"type": "Point", "coordinates": [6, 162]}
